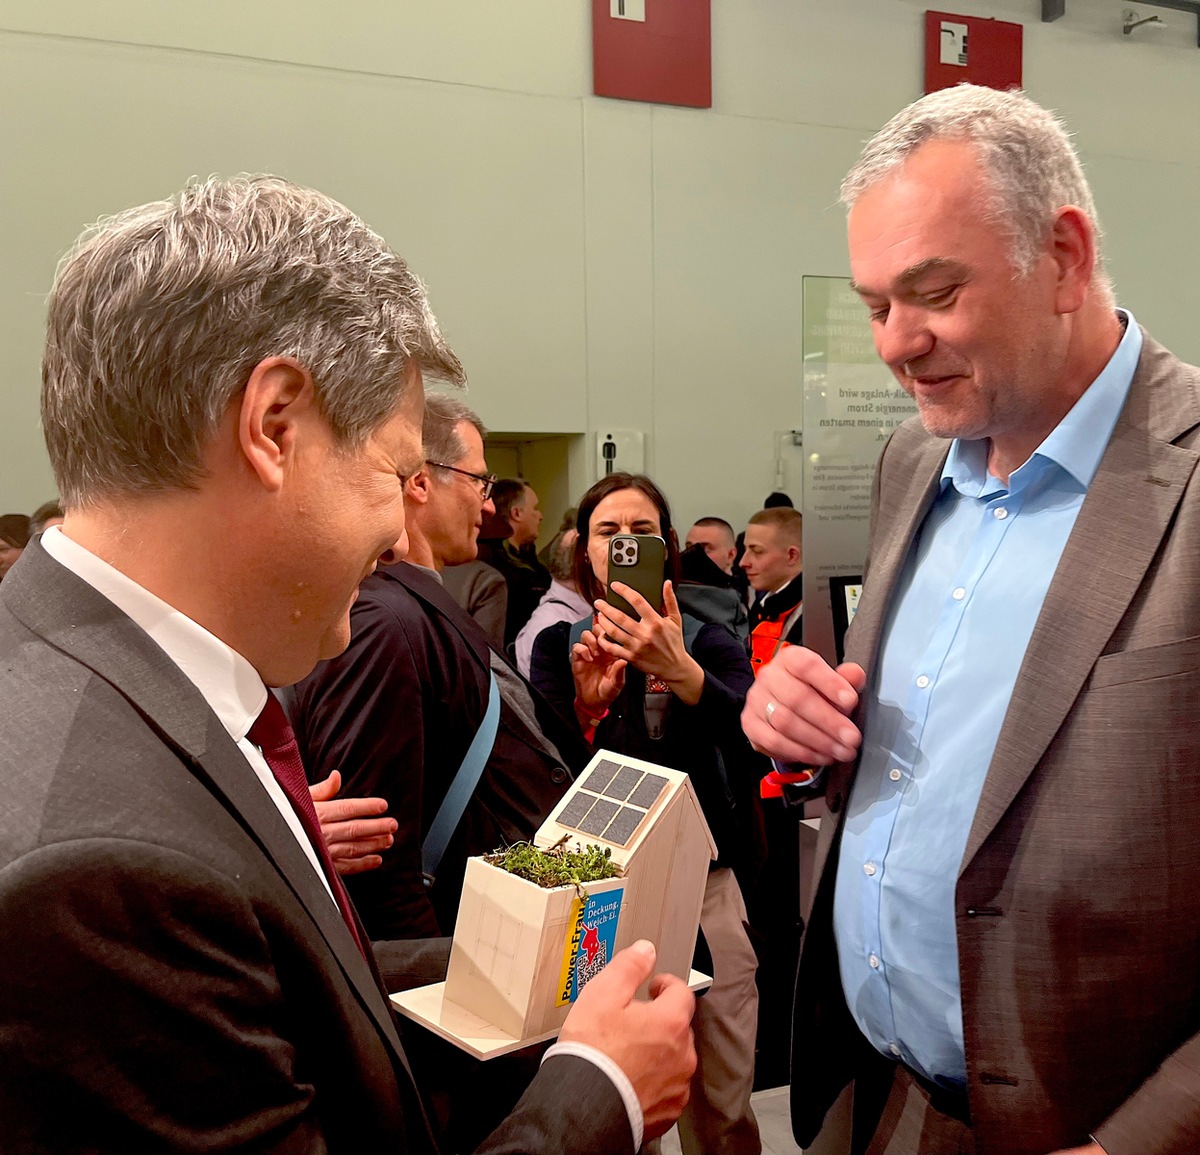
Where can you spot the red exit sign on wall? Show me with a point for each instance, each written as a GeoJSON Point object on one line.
{"type": "Point", "coordinates": [659, 51]}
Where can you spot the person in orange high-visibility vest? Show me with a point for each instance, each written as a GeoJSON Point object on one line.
{"type": "Point", "coordinates": [774, 565]}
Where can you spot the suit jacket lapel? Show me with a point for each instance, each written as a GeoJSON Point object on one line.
{"type": "Point", "coordinates": [70, 615]}
{"type": "Point", "coordinates": [224, 767]}
{"type": "Point", "coordinates": [1131, 499]}
{"type": "Point", "coordinates": [905, 497]}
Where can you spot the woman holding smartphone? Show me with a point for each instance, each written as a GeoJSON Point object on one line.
{"type": "Point", "coordinates": [669, 689]}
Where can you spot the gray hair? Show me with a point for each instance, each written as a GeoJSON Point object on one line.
{"type": "Point", "coordinates": [1025, 149]}
{"type": "Point", "coordinates": [158, 316]}
{"type": "Point", "coordinates": [439, 430]}
{"type": "Point", "coordinates": [561, 561]}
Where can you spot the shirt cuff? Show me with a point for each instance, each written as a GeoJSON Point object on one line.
{"type": "Point", "coordinates": [637, 1122]}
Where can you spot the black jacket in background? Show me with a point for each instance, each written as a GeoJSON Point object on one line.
{"type": "Point", "coordinates": [707, 592]}
{"type": "Point", "coordinates": [527, 580]}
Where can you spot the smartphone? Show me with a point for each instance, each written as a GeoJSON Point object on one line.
{"type": "Point", "coordinates": [639, 560]}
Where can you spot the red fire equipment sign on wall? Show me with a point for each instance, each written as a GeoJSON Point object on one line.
{"type": "Point", "coordinates": [966, 49]}
{"type": "Point", "coordinates": [659, 51]}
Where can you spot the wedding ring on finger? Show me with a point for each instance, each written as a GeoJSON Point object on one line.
{"type": "Point", "coordinates": [770, 713]}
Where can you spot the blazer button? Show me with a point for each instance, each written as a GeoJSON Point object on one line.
{"type": "Point", "coordinates": [558, 775]}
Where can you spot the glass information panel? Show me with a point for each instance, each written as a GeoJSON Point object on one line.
{"type": "Point", "coordinates": [851, 404]}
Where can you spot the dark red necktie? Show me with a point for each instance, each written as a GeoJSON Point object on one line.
{"type": "Point", "coordinates": [272, 733]}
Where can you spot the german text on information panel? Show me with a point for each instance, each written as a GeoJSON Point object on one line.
{"type": "Point", "coordinates": [851, 405]}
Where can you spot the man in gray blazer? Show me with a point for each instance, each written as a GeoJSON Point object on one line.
{"type": "Point", "coordinates": [1003, 951]}
{"type": "Point", "coordinates": [232, 399]}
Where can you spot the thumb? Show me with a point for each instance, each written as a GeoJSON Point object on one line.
{"type": "Point", "coordinates": [618, 982]}
{"type": "Point", "coordinates": [854, 674]}
{"type": "Point", "coordinates": [326, 790]}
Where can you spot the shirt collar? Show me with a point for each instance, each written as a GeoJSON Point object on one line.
{"type": "Point", "coordinates": [229, 683]}
{"type": "Point", "coordinates": [1076, 444]}
{"type": "Point", "coordinates": [772, 593]}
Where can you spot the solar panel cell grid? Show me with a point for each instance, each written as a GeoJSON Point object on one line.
{"type": "Point", "coordinates": [648, 791]}
{"type": "Point", "coordinates": [623, 782]}
{"type": "Point", "coordinates": [574, 811]}
{"type": "Point", "coordinates": [598, 817]}
{"type": "Point", "coordinates": [620, 829]}
{"type": "Point", "coordinates": [601, 776]}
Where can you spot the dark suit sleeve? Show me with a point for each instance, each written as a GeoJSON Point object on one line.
{"type": "Point", "coordinates": [412, 962]}
{"type": "Point", "coordinates": [142, 1007]}
{"type": "Point", "coordinates": [570, 1106]}
{"type": "Point", "coordinates": [362, 714]}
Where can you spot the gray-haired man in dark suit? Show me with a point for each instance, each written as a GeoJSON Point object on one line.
{"type": "Point", "coordinates": [232, 399]}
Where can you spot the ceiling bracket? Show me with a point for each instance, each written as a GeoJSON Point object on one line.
{"type": "Point", "coordinates": [1056, 9]}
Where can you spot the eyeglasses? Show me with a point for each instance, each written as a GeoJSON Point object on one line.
{"type": "Point", "coordinates": [486, 481]}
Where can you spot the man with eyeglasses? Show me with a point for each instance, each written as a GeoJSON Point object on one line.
{"type": "Point", "coordinates": [478, 587]}
{"type": "Point", "coordinates": [485, 481]}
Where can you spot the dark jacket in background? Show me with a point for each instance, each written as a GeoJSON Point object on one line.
{"type": "Point", "coordinates": [707, 592]}
{"type": "Point", "coordinates": [527, 580]}
{"type": "Point", "coordinates": [482, 591]}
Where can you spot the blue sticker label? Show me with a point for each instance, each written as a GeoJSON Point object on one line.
{"type": "Point", "coordinates": [591, 942]}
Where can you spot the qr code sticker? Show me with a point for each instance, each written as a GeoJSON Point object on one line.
{"type": "Point", "coordinates": [586, 971]}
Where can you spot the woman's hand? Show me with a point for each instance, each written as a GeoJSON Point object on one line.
{"type": "Point", "coordinates": [654, 644]}
{"type": "Point", "coordinates": [599, 678]}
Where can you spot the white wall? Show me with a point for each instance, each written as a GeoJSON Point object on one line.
{"type": "Point", "coordinates": [596, 263]}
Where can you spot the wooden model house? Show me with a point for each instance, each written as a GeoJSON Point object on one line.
{"type": "Point", "coordinates": [522, 953]}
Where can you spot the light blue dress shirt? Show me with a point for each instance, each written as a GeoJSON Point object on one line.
{"type": "Point", "coordinates": [961, 618]}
